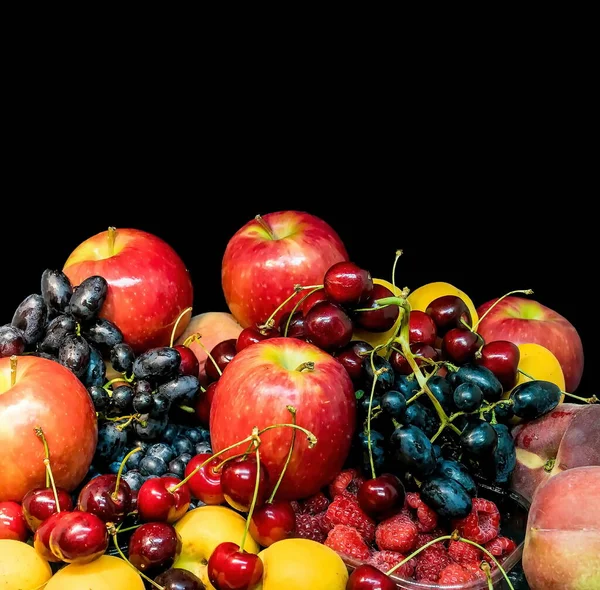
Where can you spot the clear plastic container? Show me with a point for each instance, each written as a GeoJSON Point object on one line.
{"type": "Point", "coordinates": [514, 510]}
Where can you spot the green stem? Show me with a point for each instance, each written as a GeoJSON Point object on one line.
{"type": "Point", "coordinates": [187, 409]}
{"type": "Point", "coordinates": [398, 254]}
{"type": "Point", "coordinates": [297, 288]}
{"type": "Point", "coordinates": [440, 430]}
{"type": "Point", "coordinates": [129, 528]}
{"type": "Point", "coordinates": [174, 331]}
{"type": "Point", "coordinates": [524, 292]}
{"type": "Point", "coordinates": [312, 439]}
{"type": "Point", "coordinates": [375, 376]}
{"type": "Point", "coordinates": [587, 400]}
{"type": "Point", "coordinates": [292, 411]}
{"type": "Point", "coordinates": [115, 380]}
{"type": "Point", "coordinates": [259, 219]}
{"type": "Point", "coordinates": [254, 498]}
{"type": "Point", "coordinates": [492, 558]}
{"type": "Point", "coordinates": [415, 553]}
{"type": "Point", "coordinates": [214, 362]}
{"type": "Point", "coordinates": [40, 434]}
{"type": "Point", "coordinates": [120, 472]}
{"type": "Point", "coordinates": [112, 236]}
{"type": "Point", "coordinates": [294, 309]}
{"type": "Point", "coordinates": [122, 555]}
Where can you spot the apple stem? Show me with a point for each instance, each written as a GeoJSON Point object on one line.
{"type": "Point", "coordinates": [398, 254]}
{"type": "Point", "coordinates": [49, 476]}
{"type": "Point", "coordinates": [112, 235]}
{"type": "Point", "coordinates": [120, 472]}
{"type": "Point", "coordinates": [297, 288]}
{"type": "Point", "coordinates": [292, 411]}
{"type": "Point", "coordinates": [521, 291]}
{"type": "Point", "coordinates": [265, 226]}
{"type": "Point", "coordinates": [256, 442]}
{"type": "Point", "coordinates": [124, 558]}
{"type": "Point", "coordinates": [376, 374]}
{"type": "Point", "coordinates": [13, 369]}
{"type": "Point", "coordinates": [184, 312]}
{"type": "Point", "coordinates": [306, 366]}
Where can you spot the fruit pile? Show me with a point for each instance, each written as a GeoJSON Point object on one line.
{"type": "Point", "coordinates": [344, 434]}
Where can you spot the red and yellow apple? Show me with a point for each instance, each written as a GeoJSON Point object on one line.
{"type": "Point", "coordinates": [255, 389]}
{"type": "Point", "coordinates": [267, 257]}
{"type": "Point", "coordinates": [149, 286]}
{"type": "Point", "coordinates": [47, 395]}
{"type": "Point", "coordinates": [521, 320]}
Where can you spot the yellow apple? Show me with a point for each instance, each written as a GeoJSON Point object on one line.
{"type": "Point", "coordinates": [420, 298]}
{"type": "Point", "coordinates": [21, 566]}
{"type": "Point", "coordinates": [202, 529]}
{"type": "Point", "coordinates": [298, 564]}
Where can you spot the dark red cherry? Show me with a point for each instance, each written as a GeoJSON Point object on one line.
{"type": "Point", "coordinates": [351, 357]}
{"type": "Point", "coordinates": [311, 300]}
{"type": "Point", "coordinates": [381, 495]}
{"type": "Point", "coordinates": [189, 361]}
{"type": "Point", "coordinates": [154, 547]}
{"type": "Point", "coordinates": [205, 402]}
{"type": "Point", "coordinates": [229, 568]}
{"type": "Point", "coordinates": [205, 484]}
{"type": "Point", "coordinates": [158, 500]}
{"type": "Point", "coordinates": [367, 577]}
{"type": "Point", "coordinates": [346, 283]}
{"type": "Point", "coordinates": [78, 537]}
{"type": "Point", "coordinates": [221, 354]}
{"type": "Point", "coordinates": [252, 335]}
{"type": "Point", "coordinates": [40, 503]}
{"type": "Point", "coordinates": [272, 522]}
{"type": "Point", "coordinates": [502, 358]}
{"type": "Point", "coordinates": [422, 328]}
{"type": "Point", "coordinates": [41, 538]}
{"type": "Point", "coordinates": [377, 320]}
{"type": "Point", "coordinates": [12, 522]}
{"type": "Point", "coordinates": [295, 329]}
{"type": "Point", "coordinates": [424, 351]}
{"type": "Point", "coordinates": [459, 345]}
{"type": "Point", "coordinates": [449, 311]}
{"type": "Point", "coordinates": [328, 326]}
{"type": "Point", "coordinates": [238, 479]}
{"type": "Point", "coordinates": [98, 497]}
{"type": "Point", "coordinates": [179, 579]}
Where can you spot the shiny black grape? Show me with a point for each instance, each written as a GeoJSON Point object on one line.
{"type": "Point", "coordinates": [181, 390]}
{"type": "Point", "coordinates": [393, 403]}
{"type": "Point", "coordinates": [152, 465]}
{"type": "Point", "coordinates": [134, 478]}
{"type": "Point", "coordinates": [468, 397]}
{"type": "Point", "coordinates": [177, 466]}
{"type": "Point", "coordinates": [157, 364]}
{"type": "Point", "coordinates": [481, 376]}
{"type": "Point", "coordinates": [447, 497]}
{"type": "Point", "coordinates": [533, 399]}
{"type": "Point", "coordinates": [100, 398]}
{"type": "Point", "coordinates": [161, 405]}
{"type": "Point", "coordinates": [56, 331]}
{"type": "Point", "coordinates": [442, 392]}
{"type": "Point", "coordinates": [457, 471]}
{"type": "Point", "coordinates": [505, 454]}
{"type": "Point", "coordinates": [412, 450]}
{"type": "Point", "coordinates": [503, 412]}
{"type": "Point", "coordinates": [162, 450]}
{"type": "Point", "coordinates": [122, 399]}
{"type": "Point", "coordinates": [30, 317]}
{"type": "Point", "coordinates": [171, 431]}
{"type": "Point", "coordinates": [12, 341]}
{"type": "Point", "coordinates": [407, 385]}
{"type": "Point", "coordinates": [143, 402]}
{"type": "Point", "coordinates": [104, 334]}
{"type": "Point", "coordinates": [182, 444]}
{"type": "Point", "coordinates": [478, 439]}
{"type": "Point", "coordinates": [122, 357]}
{"type": "Point", "coordinates": [111, 442]}
{"type": "Point", "coordinates": [74, 353]}
{"type": "Point", "coordinates": [377, 449]}
{"type": "Point", "coordinates": [56, 290]}
{"type": "Point", "coordinates": [88, 298]}
{"type": "Point", "coordinates": [422, 417]}
{"type": "Point", "coordinates": [96, 369]}
{"type": "Point", "coordinates": [152, 428]}
{"type": "Point", "coordinates": [385, 378]}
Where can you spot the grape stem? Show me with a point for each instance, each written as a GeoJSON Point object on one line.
{"type": "Point", "coordinates": [588, 400]}
{"type": "Point", "coordinates": [292, 411]}
{"type": "Point", "coordinates": [376, 374]}
{"type": "Point", "coordinates": [49, 476]}
{"type": "Point", "coordinates": [114, 495]}
{"type": "Point", "coordinates": [179, 318]}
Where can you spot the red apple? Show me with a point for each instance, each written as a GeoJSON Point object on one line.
{"type": "Point", "coordinates": [254, 390]}
{"type": "Point", "coordinates": [521, 320]}
{"type": "Point", "coordinates": [266, 258]}
{"type": "Point", "coordinates": [148, 284]}
{"type": "Point", "coordinates": [47, 395]}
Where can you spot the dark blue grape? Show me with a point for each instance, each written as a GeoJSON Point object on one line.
{"type": "Point", "coordinates": [177, 466]}
{"type": "Point", "coordinates": [181, 390]}
{"type": "Point", "coordinates": [412, 450]}
{"type": "Point", "coordinates": [185, 457]}
{"type": "Point", "coordinates": [377, 449]}
{"type": "Point", "coordinates": [141, 386]}
{"type": "Point", "coordinates": [503, 412]}
{"type": "Point", "coordinates": [203, 447]}
{"type": "Point", "coordinates": [57, 329]}
{"type": "Point", "coordinates": [160, 406]}
{"type": "Point", "coordinates": [533, 399]}
{"type": "Point", "coordinates": [100, 398]}
{"type": "Point", "coordinates": [122, 357]}
{"type": "Point", "coordinates": [111, 442]}
{"type": "Point", "coordinates": [157, 364]}
{"type": "Point", "coordinates": [442, 391]}
{"type": "Point", "coordinates": [143, 403]}
{"type": "Point", "coordinates": [505, 455]}
{"type": "Point", "coordinates": [162, 450]}
{"type": "Point", "coordinates": [96, 369]}
{"type": "Point", "coordinates": [171, 431]}
{"type": "Point", "coordinates": [363, 404]}
{"type": "Point", "coordinates": [134, 461]}
{"type": "Point", "coordinates": [193, 434]}
{"type": "Point", "coordinates": [393, 403]}
{"type": "Point", "coordinates": [103, 334]}
{"type": "Point", "coordinates": [407, 385]}
{"type": "Point", "coordinates": [88, 298]}
{"type": "Point", "coordinates": [447, 497]}
{"type": "Point", "coordinates": [74, 353]}
{"type": "Point", "coordinates": [12, 341]}
{"type": "Point", "coordinates": [385, 378]}
{"type": "Point", "coordinates": [478, 439]}
{"type": "Point", "coordinates": [423, 417]}
{"type": "Point", "coordinates": [122, 399]}
{"type": "Point", "coordinates": [134, 478]}
{"type": "Point", "coordinates": [153, 428]}
{"type": "Point", "coordinates": [181, 444]}
{"type": "Point", "coordinates": [56, 290]}
{"type": "Point", "coordinates": [455, 470]}
{"type": "Point", "coordinates": [114, 467]}
{"type": "Point", "coordinates": [437, 451]}
{"type": "Point", "coordinates": [481, 376]}
{"type": "Point", "coordinates": [468, 397]}
{"type": "Point", "coordinates": [30, 318]}
{"type": "Point", "coordinates": [150, 465]}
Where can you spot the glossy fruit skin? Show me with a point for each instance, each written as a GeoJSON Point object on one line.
{"type": "Point", "coordinates": [447, 497]}
{"type": "Point", "coordinates": [179, 579]}
{"type": "Point", "coordinates": [95, 373]}
{"type": "Point", "coordinates": [205, 485]}
{"type": "Point", "coordinates": [384, 374]}
{"type": "Point", "coordinates": [222, 354]}
{"type": "Point", "coordinates": [481, 376]}
{"type": "Point", "coordinates": [12, 522]}
{"type": "Point", "coordinates": [401, 365]}
{"type": "Point", "coordinates": [273, 522]}
{"type": "Point", "coordinates": [74, 353]}
{"type": "Point", "coordinates": [122, 358]}
{"type": "Point", "coordinates": [367, 577]}
{"type": "Point", "coordinates": [450, 469]}
{"type": "Point", "coordinates": [230, 569]}
{"type": "Point", "coordinates": [328, 326]}
{"type": "Point", "coordinates": [533, 399]}
{"type": "Point", "coordinates": [421, 328]}
{"type": "Point", "coordinates": [88, 298]}
{"type": "Point", "coordinates": [157, 364]}
{"type": "Point", "coordinates": [478, 439]}
{"type": "Point", "coordinates": [155, 501]}
{"type": "Point", "coordinates": [312, 299]}
{"type": "Point", "coordinates": [78, 537]}
{"type": "Point", "coordinates": [204, 403]}
{"type": "Point", "coordinates": [56, 290]}
{"type": "Point", "coordinates": [351, 357]}
{"type": "Point", "coordinates": [238, 480]}
{"type": "Point", "coordinates": [30, 317]}
{"type": "Point", "coordinates": [296, 328]}
{"type": "Point", "coordinates": [502, 358]}
{"type": "Point", "coordinates": [442, 391]}
{"type": "Point", "coordinates": [413, 450]}
{"type": "Point", "coordinates": [345, 283]}
{"type": "Point", "coordinates": [56, 330]}
{"type": "Point", "coordinates": [41, 538]}
{"type": "Point", "coordinates": [12, 341]}
{"type": "Point", "coordinates": [422, 416]}
{"type": "Point", "coordinates": [189, 361]}
{"type": "Point", "coordinates": [393, 403]}
{"type": "Point", "coordinates": [154, 547]}
{"type": "Point", "coordinates": [407, 385]}
{"type": "Point", "coordinates": [459, 345]}
{"type": "Point", "coordinates": [39, 504]}
{"type": "Point", "coordinates": [377, 320]}
{"type": "Point", "coordinates": [252, 335]}
{"type": "Point", "coordinates": [181, 389]}
{"type": "Point", "coordinates": [97, 497]}
{"type": "Point", "coordinates": [381, 494]}
{"type": "Point", "coordinates": [447, 312]}
{"type": "Point", "coordinates": [503, 412]}
{"type": "Point", "coordinates": [468, 397]}
{"type": "Point", "coordinates": [103, 334]}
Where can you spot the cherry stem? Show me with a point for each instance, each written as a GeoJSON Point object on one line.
{"type": "Point", "coordinates": [521, 291]}
{"type": "Point", "coordinates": [306, 366]}
{"type": "Point", "coordinates": [220, 466]}
{"type": "Point", "coordinates": [415, 553]}
{"type": "Point", "coordinates": [210, 356]}
{"type": "Point", "coordinates": [112, 235]}
{"type": "Point", "coordinates": [375, 376]}
{"type": "Point", "coordinates": [587, 400]}
{"type": "Point", "coordinates": [114, 495]}
{"type": "Point", "coordinates": [122, 555]}
{"type": "Point", "coordinates": [49, 476]}
{"type": "Point", "coordinates": [265, 226]}
{"type": "Point", "coordinates": [292, 411]}
{"type": "Point", "coordinates": [256, 441]}
{"type": "Point", "coordinates": [13, 369]}
{"type": "Point", "coordinates": [298, 304]}
{"type": "Point", "coordinates": [398, 254]}
{"type": "Point", "coordinates": [485, 566]}
{"type": "Point", "coordinates": [191, 338]}
{"type": "Point", "coordinates": [184, 312]}
{"type": "Point", "coordinates": [297, 288]}
{"type": "Point", "coordinates": [508, 582]}
{"type": "Point", "coordinates": [312, 439]}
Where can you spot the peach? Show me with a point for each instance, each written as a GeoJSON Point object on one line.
{"type": "Point", "coordinates": [562, 543]}
{"type": "Point", "coordinates": [565, 438]}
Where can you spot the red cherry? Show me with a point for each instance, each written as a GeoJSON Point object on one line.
{"type": "Point", "coordinates": [378, 320]}
{"type": "Point", "coordinates": [400, 364]}
{"type": "Point", "coordinates": [154, 547]}
{"type": "Point", "coordinates": [204, 403]}
{"type": "Point", "coordinates": [312, 299]}
{"type": "Point", "coordinates": [238, 480]}
{"type": "Point", "coordinates": [12, 522]}
{"type": "Point", "coordinates": [380, 495]}
{"type": "Point", "coordinates": [176, 578]}
{"type": "Point", "coordinates": [352, 356]}
{"type": "Point", "coordinates": [449, 311]}
{"type": "Point", "coordinates": [156, 501]}
{"type": "Point", "coordinates": [205, 484]}
{"type": "Point", "coordinates": [367, 577]}
{"type": "Point", "coordinates": [41, 538]}
{"type": "Point", "coordinates": [189, 361]}
{"type": "Point", "coordinates": [328, 326]}
{"type": "Point", "coordinates": [296, 328]}
{"type": "Point", "coordinates": [222, 354]}
{"type": "Point", "coordinates": [252, 335]}
{"type": "Point", "coordinates": [98, 497]}
{"type": "Point", "coordinates": [346, 283]}
{"type": "Point", "coordinates": [272, 522]}
{"type": "Point", "coordinates": [40, 503]}
{"type": "Point", "coordinates": [502, 358]}
{"type": "Point", "coordinates": [460, 345]}
{"type": "Point", "coordinates": [422, 328]}
{"type": "Point", "coordinates": [231, 569]}
{"type": "Point", "coordinates": [78, 537]}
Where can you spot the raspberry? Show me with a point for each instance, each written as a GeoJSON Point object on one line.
{"type": "Point", "coordinates": [424, 538]}
{"type": "Point", "coordinates": [347, 541]}
{"type": "Point", "coordinates": [296, 507]}
{"type": "Point", "coordinates": [315, 504]}
{"type": "Point", "coordinates": [500, 548]}
{"type": "Point", "coordinates": [482, 524]}
{"type": "Point", "coordinates": [464, 553]}
{"type": "Point", "coordinates": [431, 562]}
{"type": "Point", "coordinates": [345, 510]}
{"type": "Point", "coordinates": [311, 527]}
{"type": "Point", "coordinates": [474, 568]}
{"type": "Point", "coordinates": [427, 518]}
{"type": "Point", "coordinates": [454, 574]}
{"type": "Point", "coordinates": [386, 560]}
{"type": "Point", "coordinates": [346, 483]}
{"type": "Point", "coordinates": [398, 533]}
